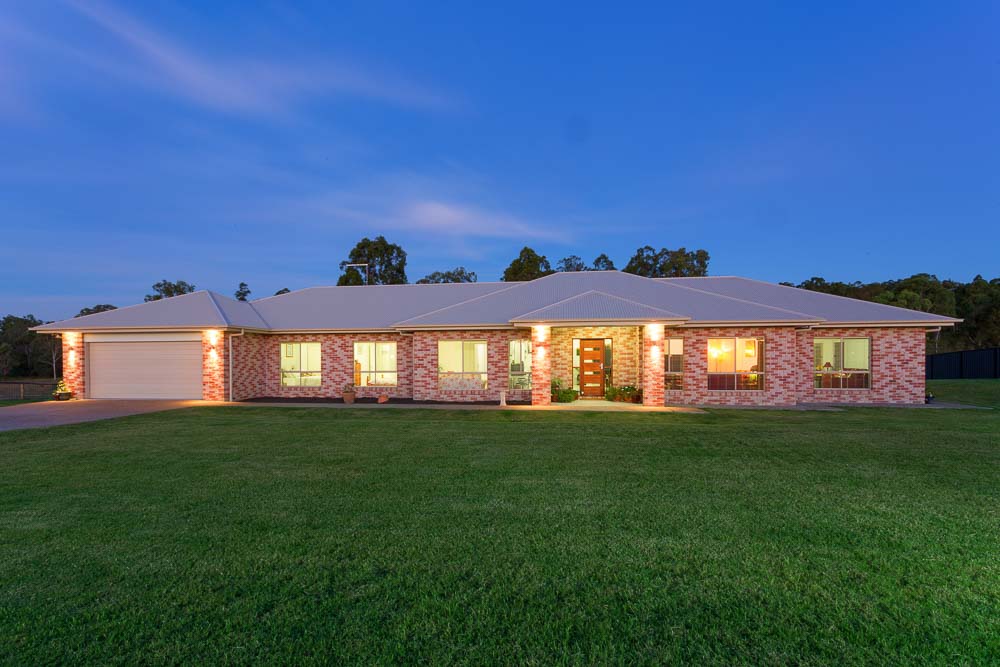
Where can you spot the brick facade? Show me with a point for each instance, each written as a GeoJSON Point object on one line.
{"type": "Point", "coordinates": [897, 364]}
{"type": "Point", "coordinates": [74, 363]}
{"type": "Point", "coordinates": [257, 360]}
{"type": "Point", "coordinates": [214, 363]}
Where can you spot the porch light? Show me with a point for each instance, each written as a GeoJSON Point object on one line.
{"type": "Point", "coordinates": [540, 331]}
{"type": "Point", "coordinates": [653, 331]}
{"type": "Point", "coordinates": [654, 352]}
{"type": "Point", "coordinates": [213, 337]}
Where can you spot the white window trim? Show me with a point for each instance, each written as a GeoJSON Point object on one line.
{"type": "Point", "coordinates": [300, 373]}
{"type": "Point", "coordinates": [842, 339]}
{"type": "Point", "coordinates": [736, 373]}
{"type": "Point", "coordinates": [376, 371]}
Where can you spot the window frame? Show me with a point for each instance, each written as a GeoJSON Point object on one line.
{"type": "Point", "coordinates": [523, 375]}
{"type": "Point", "coordinates": [484, 374]}
{"type": "Point", "coordinates": [841, 373]}
{"type": "Point", "coordinates": [673, 380]}
{"type": "Point", "coordinates": [300, 373]}
{"type": "Point", "coordinates": [357, 374]}
{"type": "Point", "coordinates": [760, 376]}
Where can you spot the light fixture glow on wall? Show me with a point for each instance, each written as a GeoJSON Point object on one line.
{"type": "Point", "coordinates": [541, 332]}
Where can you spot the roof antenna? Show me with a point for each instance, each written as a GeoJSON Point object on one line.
{"type": "Point", "coordinates": [368, 275]}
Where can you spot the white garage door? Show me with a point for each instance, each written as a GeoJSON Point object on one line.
{"type": "Point", "coordinates": [144, 370]}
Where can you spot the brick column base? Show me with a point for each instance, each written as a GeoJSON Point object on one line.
{"type": "Point", "coordinates": [541, 365]}
{"type": "Point", "coordinates": [652, 365]}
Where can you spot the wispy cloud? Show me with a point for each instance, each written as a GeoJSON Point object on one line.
{"type": "Point", "coordinates": [246, 85]}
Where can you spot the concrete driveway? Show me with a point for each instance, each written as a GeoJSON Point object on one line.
{"type": "Point", "coordinates": [57, 413]}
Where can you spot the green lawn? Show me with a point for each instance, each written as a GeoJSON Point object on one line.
{"type": "Point", "coordinates": [357, 536]}
{"type": "Point", "coordinates": [971, 392]}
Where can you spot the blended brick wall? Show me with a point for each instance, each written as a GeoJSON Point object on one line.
{"type": "Point", "coordinates": [74, 363]}
{"type": "Point", "coordinates": [214, 362]}
{"type": "Point", "coordinates": [652, 364]}
{"type": "Point", "coordinates": [541, 365]}
{"type": "Point", "coordinates": [897, 373]}
{"type": "Point", "coordinates": [782, 382]}
{"type": "Point", "coordinates": [426, 386]}
{"type": "Point", "coordinates": [257, 361]}
{"type": "Point", "coordinates": [897, 366]}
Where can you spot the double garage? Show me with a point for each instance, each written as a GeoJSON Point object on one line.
{"type": "Point", "coordinates": [144, 365]}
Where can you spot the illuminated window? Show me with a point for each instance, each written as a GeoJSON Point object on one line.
{"type": "Point", "coordinates": [300, 365]}
{"type": "Point", "coordinates": [375, 365]}
{"type": "Point", "coordinates": [673, 363]}
{"type": "Point", "coordinates": [842, 363]}
{"type": "Point", "coordinates": [520, 364]}
{"type": "Point", "coordinates": [462, 365]}
{"type": "Point", "coordinates": [735, 364]}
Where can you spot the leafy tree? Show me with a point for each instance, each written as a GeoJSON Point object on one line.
{"type": "Point", "coordinates": [6, 359]}
{"type": "Point", "coordinates": [24, 344]}
{"type": "Point", "coordinates": [283, 290]}
{"type": "Point", "coordinates": [242, 292]}
{"type": "Point", "coordinates": [166, 289]}
{"type": "Point", "coordinates": [457, 275]}
{"type": "Point", "coordinates": [386, 263]}
{"type": "Point", "coordinates": [99, 308]}
{"type": "Point", "coordinates": [528, 266]}
{"type": "Point", "coordinates": [664, 263]}
{"type": "Point", "coordinates": [570, 264]}
{"type": "Point", "coordinates": [603, 263]}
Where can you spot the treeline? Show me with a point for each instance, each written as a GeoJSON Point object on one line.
{"type": "Point", "coordinates": [977, 302]}
{"type": "Point", "coordinates": [379, 262]}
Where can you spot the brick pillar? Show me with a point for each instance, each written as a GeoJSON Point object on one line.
{"type": "Point", "coordinates": [74, 363]}
{"type": "Point", "coordinates": [652, 365]}
{"type": "Point", "coordinates": [213, 365]}
{"type": "Point", "coordinates": [541, 365]}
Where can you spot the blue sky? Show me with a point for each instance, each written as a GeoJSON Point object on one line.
{"type": "Point", "coordinates": [217, 142]}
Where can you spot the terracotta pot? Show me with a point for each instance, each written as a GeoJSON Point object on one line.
{"type": "Point", "coordinates": [349, 397]}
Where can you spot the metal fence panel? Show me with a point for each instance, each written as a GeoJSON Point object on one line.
{"type": "Point", "coordinates": [969, 364]}
{"type": "Point", "coordinates": [12, 391]}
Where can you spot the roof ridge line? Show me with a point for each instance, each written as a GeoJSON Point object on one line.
{"type": "Point", "coordinates": [556, 303]}
{"type": "Point", "coordinates": [603, 293]}
{"type": "Point", "coordinates": [454, 305]}
{"type": "Point", "coordinates": [218, 309]}
{"type": "Point", "coordinates": [755, 303]}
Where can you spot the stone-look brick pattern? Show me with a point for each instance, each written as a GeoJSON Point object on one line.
{"type": "Point", "coordinates": [652, 364]}
{"type": "Point", "coordinates": [541, 365]}
{"type": "Point", "coordinates": [897, 366]}
{"type": "Point", "coordinates": [782, 376]}
{"type": "Point", "coordinates": [74, 363]}
{"type": "Point", "coordinates": [626, 357]}
{"type": "Point", "coordinates": [426, 385]}
{"type": "Point", "coordinates": [213, 366]}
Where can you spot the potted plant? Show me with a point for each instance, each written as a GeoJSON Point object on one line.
{"type": "Point", "coordinates": [62, 392]}
{"type": "Point", "coordinates": [349, 393]}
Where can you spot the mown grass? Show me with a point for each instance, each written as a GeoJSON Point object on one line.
{"type": "Point", "coordinates": [283, 535]}
{"type": "Point", "coordinates": [971, 392]}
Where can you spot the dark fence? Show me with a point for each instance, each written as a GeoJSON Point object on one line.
{"type": "Point", "coordinates": [970, 364]}
{"type": "Point", "coordinates": [26, 389]}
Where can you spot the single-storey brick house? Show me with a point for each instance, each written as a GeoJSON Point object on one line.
{"type": "Point", "coordinates": [696, 341]}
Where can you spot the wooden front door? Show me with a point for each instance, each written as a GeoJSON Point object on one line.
{"type": "Point", "coordinates": [592, 367]}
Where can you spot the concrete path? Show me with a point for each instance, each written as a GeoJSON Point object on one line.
{"type": "Point", "coordinates": [575, 406]}
{"type": "Point", "coordinates": [58, 413]}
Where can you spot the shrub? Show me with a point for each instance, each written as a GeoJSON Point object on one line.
{"type": "Point", "coordinates": [560, 395]}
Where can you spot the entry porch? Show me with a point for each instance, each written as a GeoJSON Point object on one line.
{"type": "Point", "coordinates": [593, 358]}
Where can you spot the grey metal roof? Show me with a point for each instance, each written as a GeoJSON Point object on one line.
{"type": "Point", "coordinates": [503, 306]}
{"type": "Point", "coordinates": [594, 306]}
{"type": "Point", "coordinates": [826, 306]}
{"type": "Point", "coordinates": [599, 296]}
{"type": "Point", "coordinates": [363, 307]}
{"type": "Point", "coordinates": [197, 310]}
